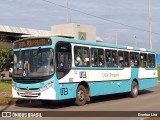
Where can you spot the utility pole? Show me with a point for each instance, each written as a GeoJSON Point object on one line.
{"type": "Point", "coordinates": [150, 24]}
{"type": "Point", "coordinates": [68, 16]}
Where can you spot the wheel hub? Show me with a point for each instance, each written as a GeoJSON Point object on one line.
{"type": "Point", "coordinates": [81, 95]}
{"type": "Point", "coordinates": [135, 90]}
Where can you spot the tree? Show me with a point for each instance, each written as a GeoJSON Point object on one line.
{"type": "Point", "coordinates": [4, 63]}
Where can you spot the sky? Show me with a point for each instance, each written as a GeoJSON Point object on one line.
{"type": "Point", "coordinates": [38, 14]}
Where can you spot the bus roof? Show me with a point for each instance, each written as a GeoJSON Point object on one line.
{"type": "Point", "coordinates": [87, 42]}
{"type": "Point", "coordinates": [101, 44]}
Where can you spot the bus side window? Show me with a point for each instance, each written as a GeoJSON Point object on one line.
{"type": "Point", "coordinates": [126, 59]}
{"type": "Point", "coordinates": [114, 58]}
{"type": "Point", "coordinates": [134, 59]}
{"type": "Point", "coordinates": [121, 58]}
{"type": "Point", "coordinates": [94, 57]}
{"type": "Point", "coordinates": [111, 58]}
{"type": "Point", "coordinates": [81, 56]}
{"type": "Point", "coordinates": [108, 54]}
{"type": "Point", "coordinates": [151, 60]}
{"type": "Point", "coordinates": [143, 60]}
{"type": "Point", "coordinates": [97, 57]}
{"type": "Point", "coordinates": [78, 56]}
{"type": "Point", "coordinates": [101, 57]}
{"type": "Point", "coordinates": [86, 56]}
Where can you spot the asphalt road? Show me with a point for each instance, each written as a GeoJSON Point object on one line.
{"type": "Point", "coordinates": [148, 100]}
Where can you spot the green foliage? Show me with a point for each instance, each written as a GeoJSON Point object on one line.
{"type": "Point", "coordinates": [4, 48]}
{"type": "Point", "coordinates": [6, 85]}
{"type": "Point", "coordinates": [5, 91]}
{"type": "Point", "coordinates": [4, 63]}
{"type": "Point", "coordinates": [7, 100]}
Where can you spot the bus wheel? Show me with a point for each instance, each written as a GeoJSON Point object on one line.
{"type": "Point", "coordinates": [134, 89]}
{"type": "Point", "coordinates": [81, 96]}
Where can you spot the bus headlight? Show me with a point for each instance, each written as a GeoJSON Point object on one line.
{"type": "Point", "coordinates": [47, 86]}
{"type": "Point", "coordinates": [14, 87]}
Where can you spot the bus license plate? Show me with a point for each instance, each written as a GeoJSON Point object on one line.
{"type": "Point", "coordinates": [28, 94]}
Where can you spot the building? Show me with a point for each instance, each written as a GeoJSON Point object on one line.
{"type": "Point", "coordinates": [70, 30]}
{"type": "Point", "coordinates": [10, 33]}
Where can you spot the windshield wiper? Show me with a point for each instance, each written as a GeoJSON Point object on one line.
{"type": "Point", "coordinates": [38, 50]}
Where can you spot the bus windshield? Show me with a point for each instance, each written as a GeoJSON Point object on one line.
{"type": "Point", "coordinates": [33, 63]}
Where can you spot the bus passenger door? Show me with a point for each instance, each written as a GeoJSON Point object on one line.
{"type": "Point", "coordinates": [63, 59]}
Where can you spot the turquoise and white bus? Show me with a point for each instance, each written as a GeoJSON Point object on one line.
{"type": "Point", "coordinates": [57, 68]}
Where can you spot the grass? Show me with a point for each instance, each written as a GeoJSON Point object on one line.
{"type": "Point", "coordinates": [5, 90]}
{"type": "Point", "coordinates": [7, 100]}
{"type": "Point", "coordinates": [6, 85]}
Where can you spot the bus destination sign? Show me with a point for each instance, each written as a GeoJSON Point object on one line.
{"type": "Point", "coordinates": [33, 43]}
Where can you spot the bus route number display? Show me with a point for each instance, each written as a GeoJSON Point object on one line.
{"type": "Point", "coordinates": [32, 43]}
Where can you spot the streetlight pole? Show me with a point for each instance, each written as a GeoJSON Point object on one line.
{"type": "Point", "coordinates": [150, 24]}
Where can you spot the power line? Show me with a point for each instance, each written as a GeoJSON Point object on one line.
{"type": "Point", "coordinates": [99, 17]}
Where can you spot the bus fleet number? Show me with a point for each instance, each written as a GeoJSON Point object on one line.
{"type": "Point", "coordinates": [64, 91]}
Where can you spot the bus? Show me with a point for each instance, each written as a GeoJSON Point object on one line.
{"type": "Point", "coordinates": [57, 68]}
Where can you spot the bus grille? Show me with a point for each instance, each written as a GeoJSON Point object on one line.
{"type": "Point", "coordinates": [34, 92]}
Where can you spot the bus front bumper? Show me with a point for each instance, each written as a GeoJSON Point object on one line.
{"type": "Point", "coordinates": [49, 94]}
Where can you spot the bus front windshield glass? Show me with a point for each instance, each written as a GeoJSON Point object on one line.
{"type": "Point", "coordinates": [33, 63]}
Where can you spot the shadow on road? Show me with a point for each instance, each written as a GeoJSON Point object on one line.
{"type": "Point", "coordinates": [117, 96]}
{"type": "Point", "coordinates": [68, 103]}
{"type": "Point", "coordinates": [50, 105]}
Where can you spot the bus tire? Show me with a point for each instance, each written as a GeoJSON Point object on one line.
{"type": "Point", "coordinates": [81, 96]}
{"type": "Point", "coordinates": [134, 89]}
